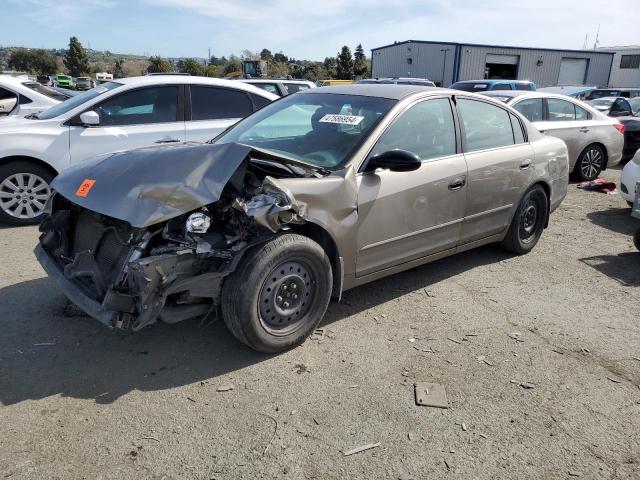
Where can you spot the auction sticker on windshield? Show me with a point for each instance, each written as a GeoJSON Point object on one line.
{"type": "Point", "coordinates": [342, 119]}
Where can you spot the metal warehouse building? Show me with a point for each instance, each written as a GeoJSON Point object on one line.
{"type": "Point", "coordinates": [626, 66]}
{"type": "Point", "coordinates": [446, 63]}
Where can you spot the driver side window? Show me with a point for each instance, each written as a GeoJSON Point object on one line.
{"type": "Point", "coordinates": [426, 129]}
{"type": "Point", "coordinates": [139, 107]}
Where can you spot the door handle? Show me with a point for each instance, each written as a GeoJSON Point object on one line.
{"type": "Point", "coordinates": [525, 164]}
{"type": "Point", "coordinates": [584, 130]}
{"type": "Point", "coordinates": [168, 140]}
{"type": "Point", "coordinates": [457, 183]}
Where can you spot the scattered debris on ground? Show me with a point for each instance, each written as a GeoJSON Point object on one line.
{"type": "Point", "coordinates": [431, 395]}
{"type": "Point", "coordinates": [354, 450]}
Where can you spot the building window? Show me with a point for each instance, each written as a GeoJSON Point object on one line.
{"type": "Point", "coordinates": [630, 61]}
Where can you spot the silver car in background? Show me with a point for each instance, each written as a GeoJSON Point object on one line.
{"type": "Point", "coordinates": [594, 140]}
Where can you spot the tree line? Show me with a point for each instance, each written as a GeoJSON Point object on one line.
{"type": "Point", "coordinates": [76, 63]}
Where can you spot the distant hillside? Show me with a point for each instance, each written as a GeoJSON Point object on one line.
{"type": "Point", "coordinates": [100, 60]}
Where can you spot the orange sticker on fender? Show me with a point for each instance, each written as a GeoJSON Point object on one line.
{"type": "Point", "coordinates": [85, 187]}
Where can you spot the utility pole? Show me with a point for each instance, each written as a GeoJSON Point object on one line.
{"type": "Point", "coordinates": [444, 64]}
{"type": "Point", "coordinates": [595, 44]}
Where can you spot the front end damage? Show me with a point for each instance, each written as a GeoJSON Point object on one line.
{"type": "Point", "coordinates": [129, 275]}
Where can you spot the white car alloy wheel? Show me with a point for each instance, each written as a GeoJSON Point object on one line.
{"type": "Point", "coordinates": [24, 195]}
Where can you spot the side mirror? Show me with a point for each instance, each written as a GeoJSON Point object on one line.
{"type": "Point", "coordinates": [395, 160]}
{"type": "Point", "coordinates": [90, 118]}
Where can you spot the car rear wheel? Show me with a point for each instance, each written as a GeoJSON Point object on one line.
{"type": "Point", "coordinates": [589, 164]}
{"type": "Point", "coordinates": [528, 222]}
{"type": "Point", "coordinates": [278, 294]}
{"type": "Point", "coordinates": [24, 190]}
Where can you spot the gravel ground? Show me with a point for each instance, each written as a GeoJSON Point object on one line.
{"type": "Point", "coordinates": [78, 401]}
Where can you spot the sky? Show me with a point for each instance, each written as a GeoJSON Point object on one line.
{"type": "Point", "coordinates": [312, 30]}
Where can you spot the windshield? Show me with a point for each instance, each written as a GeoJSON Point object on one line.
{"type": "Point", "coordinates": [602, 102]}
{"type": "Point", "coordinates": [470, 87]}
{"type": "Point", "coordinates": [73, 102]}
{"type": "Point", "coordinates": [322, 129]}
{"type": "Point", "coordinates": [44, 90]}
{"type": "Point", "coordinates": [594, 94]}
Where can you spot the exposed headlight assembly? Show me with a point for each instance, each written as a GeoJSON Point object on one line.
{"type": "Point", "coordinates": [198, 222]}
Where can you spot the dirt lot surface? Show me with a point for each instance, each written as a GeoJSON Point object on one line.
{"type": "Point", "coordinates": [79, 401]}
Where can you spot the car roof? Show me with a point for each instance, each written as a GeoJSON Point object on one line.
{"type": "Point", "coordinates": [272, 80]}
{"type": "Point", "coordinates": [496, 80]}
{"type": "Point", "coordinates": [382, 90]}
{"type": "Point", "coordinates": [193, 80]}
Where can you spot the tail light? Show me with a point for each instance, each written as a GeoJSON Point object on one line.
{"type": "Point", "coordinates": [619, 126]}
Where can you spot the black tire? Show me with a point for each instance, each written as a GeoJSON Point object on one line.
{"type": "Point", "coordinates": [590, 163]}
{"type": "Point", "coordinates": [636, 239]}
{"type": "Point", "coordinates": [528, 222]}
{"type": "Point", "coordinates": [8, 172]}
{"type": "Point", "coordinates": [286, 265]}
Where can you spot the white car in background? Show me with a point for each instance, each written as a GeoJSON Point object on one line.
{"type": "Point", "coordinates": [119, 115]}
{"type": "Point", "coordinates": [595, 141]}
{"type": "Point", "coordinates": [280, 87]}
{"type": "Point", "coordinates": [20, 96]}
{"type": "Point", "coordinates": [630, 177]}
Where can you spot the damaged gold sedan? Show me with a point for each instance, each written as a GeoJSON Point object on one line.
{"type": "Point", "coordinates": [314, 194]}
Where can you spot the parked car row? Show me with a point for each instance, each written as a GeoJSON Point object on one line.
{"type": "Point", "coordinates": [20, 96]}
{"type": "Point", "coordinates": [595, 141]}
{"type": "Point", "coordinates": [314, 194]}
{"type": "Point", "coordinates": [124, 114]}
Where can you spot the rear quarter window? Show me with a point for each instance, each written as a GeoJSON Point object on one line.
{"type": "Point", "coordinates": [213, 103]}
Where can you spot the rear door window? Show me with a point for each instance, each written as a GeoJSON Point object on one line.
{"type": "Point", "coordinates": [295, 87]}
{"type": "Point", "coordinates": [485, 125]}
{"type": "Point", "coordinates": [560, 110]}
{"type": "Point", "coordinates": [582, 114]}
{"type": "Point", "coordinates": [531, 108]}
{"type": "Point", "coordinates": [269, 87]}
{"type": "Point", "coordinates": [212, 103]}
{"type": "Point", "coordinates": [518, 134]}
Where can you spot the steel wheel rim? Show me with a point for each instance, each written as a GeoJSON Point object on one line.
{"type": "Point", "coordinates": [285, 297]}
{"type": "Point", "coordinates": [528, 220]}
{"type": "Point", "coordinates": [591, 163]}
{"type": "Point", "coordinates": [24, 195]}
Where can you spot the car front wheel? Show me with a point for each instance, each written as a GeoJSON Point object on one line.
{"type": "Point", "coordinates": [528, 222]}
{"type": "Point", "coordinates": [589, 164]}
{"type": "Point", "coordinates": [24, 190]}
{"type": "Point", "coordinates": [278, 294]}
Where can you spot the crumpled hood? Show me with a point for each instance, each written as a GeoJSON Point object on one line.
{"type": "Point", "coordinates": [151, 185]}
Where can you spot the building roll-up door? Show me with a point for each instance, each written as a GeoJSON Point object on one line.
{"type": "Point", "coordinates": [573, 71]}
{"type": "Point", "coordinates": [502, 59]}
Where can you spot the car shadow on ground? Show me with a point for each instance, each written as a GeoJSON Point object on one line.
{"type": "Point", "coordinates": [624, 267]}
{"type": "Point", "coordinates": [48, 347]}
{"type": "Point", "coordinates": [616, 219]}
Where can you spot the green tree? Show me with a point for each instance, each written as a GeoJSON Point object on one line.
{"type": "Point", "coordinates": [118, 71]}
{"type": "Point", "coordinates": [158, 64]}
{"type": "Point", "coordinates": [266, 55]}
{"type": "Point", "coordinates": [360, 66]}
{"type": "Point", "coordinates": [233, 65]}
{"type": "Point", "coordinates": [191, 66]}
{"type": "Point", "coordinates": [330, 64]}
{"type": "Point", "coordinates": [344, 64]}
{"type": "Point", "coordinates": [211, 71]}
{"type": "Point", "coordinates": [280, 58]}
{"type": "Point", "coordinates": [38, 62]}
{"type": "Point", "coordinates": [76, 59]}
